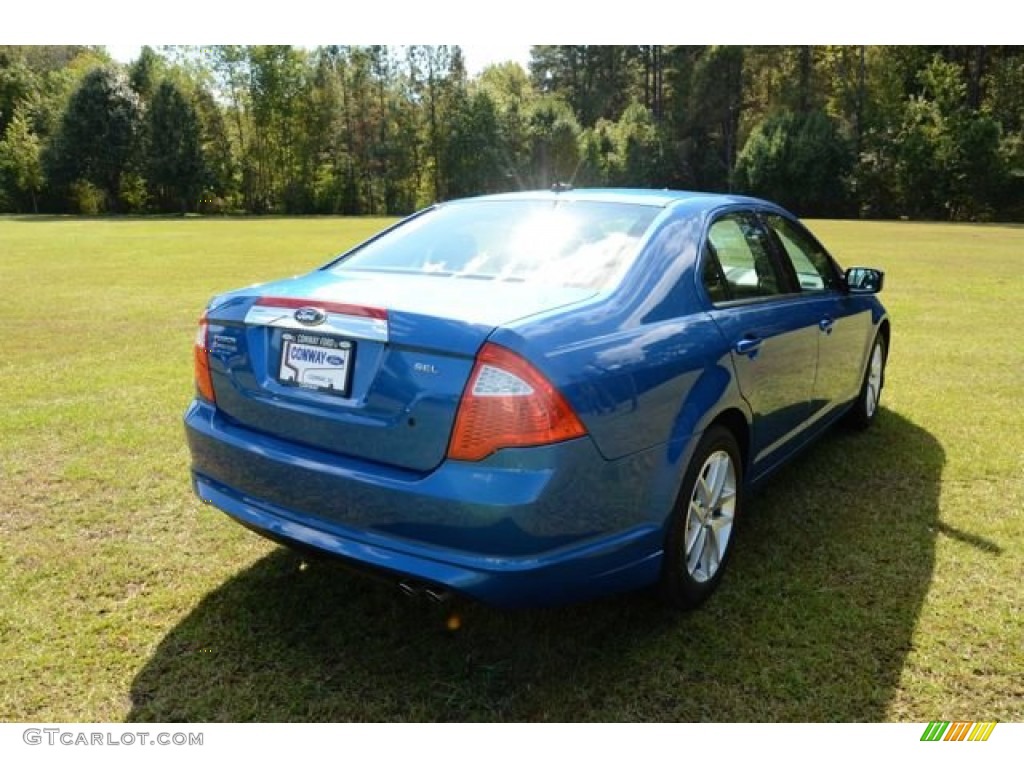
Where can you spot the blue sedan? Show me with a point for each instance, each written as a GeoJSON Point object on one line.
{"type": "Point", "coordinates": [536, 397]}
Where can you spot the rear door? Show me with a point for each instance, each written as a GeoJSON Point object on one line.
{"type": "Point", "coordinates": [773, 338]}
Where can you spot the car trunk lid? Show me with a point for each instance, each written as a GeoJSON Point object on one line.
{"type": "Point", "coordinates": [370, 365]}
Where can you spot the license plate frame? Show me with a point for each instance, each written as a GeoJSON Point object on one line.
{"type": "Point", "coordinates": [317, 362]}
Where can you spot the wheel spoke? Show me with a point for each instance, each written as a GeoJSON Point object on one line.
{"type": "Point", "coordinates": [696, 554]}
{"type": "Point", "coordinates": [719, 471]}
{"type": "Point", "coordinates": [702, 490]}
{"type": "Point", "coordinates": [728, 494]}
{"type": "Point", "coordinates": [693, 529]}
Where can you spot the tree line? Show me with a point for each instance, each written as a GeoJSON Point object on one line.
{"type": "Point", "coordinates": [844, 131]}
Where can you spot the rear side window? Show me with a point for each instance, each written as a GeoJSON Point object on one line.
{"type": "Point", "coordinates": [582, 244]}
{"type": "Point", "coordinates": [812, 265]}
{"type": "Point", "coordinates": [738, 262]}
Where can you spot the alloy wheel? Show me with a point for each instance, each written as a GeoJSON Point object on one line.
{"type": "Point", "coordinates": [709, 517]}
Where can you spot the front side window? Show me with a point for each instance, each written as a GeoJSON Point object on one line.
{"type": "Point", "coordinates": [580, 244]}
{"type": "Point", "coordinates": [738, 262]}
{"type": "Point", "coordinates": [813, 268]}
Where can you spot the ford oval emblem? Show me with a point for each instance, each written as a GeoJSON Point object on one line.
{"type": "Point", "coordinates": [310, 315]}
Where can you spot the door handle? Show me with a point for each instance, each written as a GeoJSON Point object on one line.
{"type": "Point", "coordinates": [826, 324]}
{"type": "Point", "coordinates": [748, 345]}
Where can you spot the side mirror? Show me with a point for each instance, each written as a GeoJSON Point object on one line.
{"type": "Point", "coordinates": [864, 280]}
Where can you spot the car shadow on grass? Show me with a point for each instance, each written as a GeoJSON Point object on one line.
{"type": "Point", "coordinates": [812, 623]}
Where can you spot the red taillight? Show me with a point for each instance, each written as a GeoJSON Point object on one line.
{"type": "Point", "coordinates": [509, 404]}
{"type": "Point", "coordinates": [200, 354]}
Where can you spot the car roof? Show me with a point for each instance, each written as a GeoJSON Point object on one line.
{"type": "Point", "coordinates": [659, 198]}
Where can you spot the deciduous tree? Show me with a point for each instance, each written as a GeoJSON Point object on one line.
{"type": "Point", "coordinates": [19, 159]}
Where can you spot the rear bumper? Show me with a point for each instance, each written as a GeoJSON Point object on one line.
{"type": "Point", "coordinates": [525, 527]}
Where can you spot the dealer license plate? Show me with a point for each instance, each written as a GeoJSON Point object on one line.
{"type": "Point", "coordinates": [316, 362]}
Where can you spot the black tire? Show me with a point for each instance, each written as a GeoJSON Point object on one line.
{"type": "Point", "coordinates": [689, 578]}
{"type": "Point", "coordinates": [865, 409]}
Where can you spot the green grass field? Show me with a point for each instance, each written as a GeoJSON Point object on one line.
{"type": "Point", "coordinates": [877, 578]}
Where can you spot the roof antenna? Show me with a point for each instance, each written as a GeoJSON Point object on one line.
{"type": "Point", "coordinates": [561, 186]}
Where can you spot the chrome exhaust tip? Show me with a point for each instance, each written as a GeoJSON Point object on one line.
{"type": "Point", "coordinates": [412, 589]}
{"type": "Point", "coordinates": [408, 589]}
{"type": "Point", "coordinates": [437, 595]}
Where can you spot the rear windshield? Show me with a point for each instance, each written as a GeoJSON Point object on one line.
{"type": "Point", "coordinates": [580, 244]}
